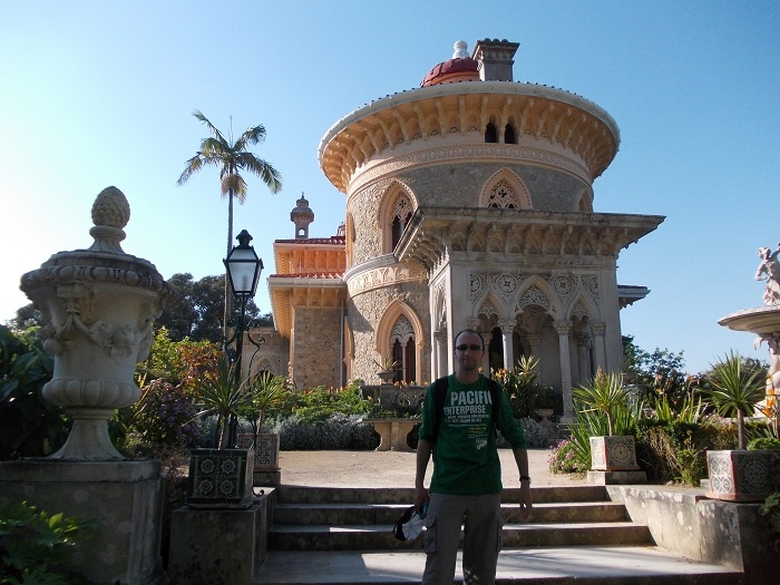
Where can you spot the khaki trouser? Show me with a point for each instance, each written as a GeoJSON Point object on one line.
{"type": "Point", "coordinates": [482, 522]}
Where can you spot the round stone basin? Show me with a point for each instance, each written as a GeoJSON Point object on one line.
{"type": "Point", "coordinates": [759, 320]}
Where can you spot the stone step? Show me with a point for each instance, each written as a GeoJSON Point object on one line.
{"type": "Point", "coordinates": [578, 535]}
{"type": "Point", "coordinates": [377, 537]}
{"type": "Point", "coordinates": [368, 495]}
{"type": "Point", "coordinates": [580, 565]}
{"type": "Point", "coordinates": [351, 513]}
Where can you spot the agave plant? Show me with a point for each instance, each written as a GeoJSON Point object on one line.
{"type": "Point", "coordinates": [605, 394]}
{"type": "Point", "coordinates": [224, 394]}
{"type": "Point", "coordinates": [267, 391]}
{"type": "Point", "coordinates": [735, 389]}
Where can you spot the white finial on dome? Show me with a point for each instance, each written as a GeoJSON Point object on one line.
{"type": "Point", "coordinates": [460, 50]}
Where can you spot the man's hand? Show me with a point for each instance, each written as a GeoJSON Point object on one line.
{"type": "Point", "coordinates": [526, 501]}
{"type": "Point", "coordinates": [421, 496]}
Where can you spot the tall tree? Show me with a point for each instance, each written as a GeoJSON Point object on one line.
{"type": "Point", "coordinates": [196, 309]}
{"type": "Point", "coordinates": [231, 158]}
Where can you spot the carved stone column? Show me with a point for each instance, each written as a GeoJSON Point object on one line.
{"type": "Point", "coordinates": [488, 337]}
{"type": "Point", "coordinates": [599, 346]}
{"type": "Point", "coordinates": [507, 328]}
{"type": "Point", "coordinates": [535, 343]}
{"type": "Point", "coordinates": [440, 361]}
{"type": "Point", "coordinates": [563, 328]}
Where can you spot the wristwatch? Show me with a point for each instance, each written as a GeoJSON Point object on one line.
{"type": "Point", "coordinates": [525, 478]}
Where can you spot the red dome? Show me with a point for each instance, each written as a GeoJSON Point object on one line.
{"type": "Point", "coordinates": [460, 68]}
{"type": "Point", "coordinates": [452, 70]}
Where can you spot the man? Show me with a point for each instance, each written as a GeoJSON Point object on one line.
{"type": "Point", "coordinates": [466, 483]}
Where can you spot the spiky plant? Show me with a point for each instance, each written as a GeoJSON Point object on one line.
{"type": "Point", "coordinates": [735, 389]}
{"type": "Point", "coordinates": [605, 394]}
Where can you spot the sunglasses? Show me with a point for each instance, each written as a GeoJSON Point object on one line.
{"type": "Point", "coordinates": [471, 347]}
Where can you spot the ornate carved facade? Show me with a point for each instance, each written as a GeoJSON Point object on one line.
{"type": "Point", "coordinates": [469, 203]}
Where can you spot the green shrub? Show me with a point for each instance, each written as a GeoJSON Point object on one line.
{"type": "Point", "coordinates": [338, 432]}
{"type": "Point", "coordinates": [37, 548]}
{"type": "Point", "coordinates": [29, 425]}
{"type": "Point", "coordinates": [519, 384]}
{"type": "Point", "coordinates": [316, 405]}
{"type": "Point", "coordinates": [563, 459]}
{"type": "Point", "coordinates": [535, 434]}
{"type": "Point", "coordinates": [677, 451]}
{"type": "Point", "coordinates": [770, 443]}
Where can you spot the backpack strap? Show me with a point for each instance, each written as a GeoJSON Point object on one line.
{"type": "Point", "coordinates": [439, 394]}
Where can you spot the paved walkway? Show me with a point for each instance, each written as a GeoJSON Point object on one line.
{"type": "Point", "coordinates": [396, 469]}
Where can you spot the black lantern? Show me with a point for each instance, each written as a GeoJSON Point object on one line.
{"type": "Point", "coordinates": [243, 270]}
{"type": "Point", "coordinates": [243, 267]}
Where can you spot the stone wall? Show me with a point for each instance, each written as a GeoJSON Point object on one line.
{"type": "Point", "coordinates": [316, 347]}
{"type": "Point", "coordinates": [684, 521]}
{"type": "Point", "coordinates": [365, 312]}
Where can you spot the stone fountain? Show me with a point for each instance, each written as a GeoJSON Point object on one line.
{"type": "Point", "coordinates": [764, 321]}
{"type": "Point", "coordinates": [101, 303]}
{"type": "Point", "coordinates": [747, 475]}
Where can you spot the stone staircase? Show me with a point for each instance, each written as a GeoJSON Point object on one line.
{"type": "Point", "coordinates": [343, 535]}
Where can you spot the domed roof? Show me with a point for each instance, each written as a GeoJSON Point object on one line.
{"type": "Point", "coordinates": [460, 68]}
{"type": "Point", "coordinates": [302, 207]}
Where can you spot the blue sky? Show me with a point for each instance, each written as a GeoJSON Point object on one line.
{"type": "Point", "coordinates": [101, 93]}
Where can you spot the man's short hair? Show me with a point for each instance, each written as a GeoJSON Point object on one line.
{"type": "Point", "coordinates": [474, 331]}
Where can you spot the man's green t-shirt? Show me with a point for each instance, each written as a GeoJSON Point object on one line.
{"type": "Point", "coordinates": [465, 456]}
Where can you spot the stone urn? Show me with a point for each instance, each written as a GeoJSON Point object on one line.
{"type": "Point", "coordinates": [101, 303]}
{"type": "Point", "coordinates": [386, 376]}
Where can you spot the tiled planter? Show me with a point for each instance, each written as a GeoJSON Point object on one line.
{"type": "Point", "coordinates": [220, 478]}
{"type": "Point", "coordinates": [613, 453]}
{"type": "Point", "coordinates": [740, 476]}
{"type": "Point", "coordinates": [266, 448]}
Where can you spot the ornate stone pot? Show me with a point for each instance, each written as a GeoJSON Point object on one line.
{"type": "Point", "coordinates": [101, 303]}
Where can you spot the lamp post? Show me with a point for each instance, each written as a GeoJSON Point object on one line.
{"type": "Point", "coordinates": [243, 271]}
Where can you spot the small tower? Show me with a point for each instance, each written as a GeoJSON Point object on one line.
{"type": "Point", "coordinates": [302, 216]}
{"type": "Point", "coordinates": [495, 59]}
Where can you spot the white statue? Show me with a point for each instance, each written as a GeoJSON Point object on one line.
{"type": "Point", "coordinates": [769, 270]}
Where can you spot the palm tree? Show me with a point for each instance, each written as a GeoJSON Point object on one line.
{"type": "Point", "coordinates": [231, 158]}
{"type": "Point", "coordinates": [736, 388]}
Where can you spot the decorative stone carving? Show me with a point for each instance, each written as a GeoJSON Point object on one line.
{"type": "Point", "coordinates": [769, 271]}
{"type": "Point", "coordinates": [101, 303]}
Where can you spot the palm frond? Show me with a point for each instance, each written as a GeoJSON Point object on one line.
{"type": "Point", "coordinates": [262, 169]}
{"type": "Point", "coordinates": [213, 129]}
{"type": "Point", "coordinates": [250, 136]}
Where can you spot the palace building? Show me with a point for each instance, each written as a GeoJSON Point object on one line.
{"type": "Point", "coordinates": [469, 204]}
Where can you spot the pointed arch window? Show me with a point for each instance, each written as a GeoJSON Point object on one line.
{"type": "Point", "coordinates": [509, 135]}
{"type": "Point", "coordinates": [491, 134]}
{"type": "Point", "coordinates": [503, 196]}
{"type": "Point", "coordinates": [401, 214]}
{"type": "Point", "coordinates": [402, 343]}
